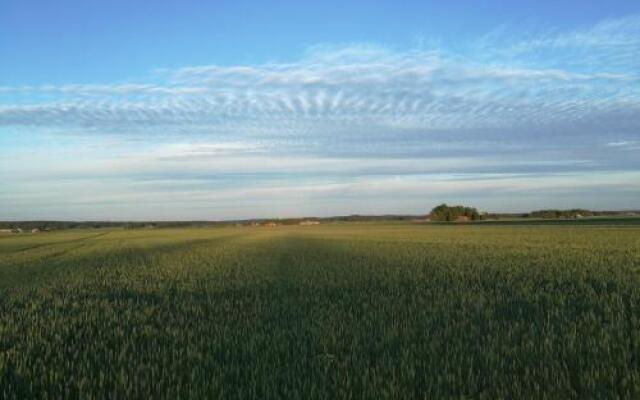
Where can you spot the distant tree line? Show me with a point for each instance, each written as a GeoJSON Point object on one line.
{"type": "Point", "coordinates": [59, 225]}
{"type": "Point", "coordinates": [443, 212]}
{"type": "Point", "coordinates": [573, 213]}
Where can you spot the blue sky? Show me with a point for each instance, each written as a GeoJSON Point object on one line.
{"type": "Point", "coordinates": [218, 110]}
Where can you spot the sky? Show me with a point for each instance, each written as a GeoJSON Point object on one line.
{"type": "Point", "coordinates": [214, 110]}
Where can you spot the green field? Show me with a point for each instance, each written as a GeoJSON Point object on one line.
{"type": "Point", "coordinates": [331, 311]}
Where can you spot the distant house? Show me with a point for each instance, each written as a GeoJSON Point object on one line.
{"type": "Point", "coordinates": [462, 218]}
{"type": "Point", "coordinates": [35, 230]}
{"type": "Point", "coordinates": [309, 222]}
{"type": "Point", "coordinates": [5, 230]}
{"type": "Point", "coordinates": [16, 230]}
{"type": "Point", "coordinates": [270, 224]}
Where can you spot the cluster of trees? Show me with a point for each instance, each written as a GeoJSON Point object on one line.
{"type": "Point", "coordinates": [573, 213]}
{"type": "Point", "coordinates": [444, 212]}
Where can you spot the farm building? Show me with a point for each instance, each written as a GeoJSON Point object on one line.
{"type": "Point", "coordinates": [462, 218]}
{"type": "Point", "coordinates": [309, 222]}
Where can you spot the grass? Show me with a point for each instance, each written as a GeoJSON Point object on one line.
{"type": "Point", "coordinates": [330, 311]}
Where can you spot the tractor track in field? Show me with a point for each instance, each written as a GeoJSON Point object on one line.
{"type": "Point", "coordinates": [41, 245]}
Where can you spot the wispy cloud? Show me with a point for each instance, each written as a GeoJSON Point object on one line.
{"type": "Point", "coordinates": [534, 106]}
{"type": "Point", "coordinates": [373, 86]}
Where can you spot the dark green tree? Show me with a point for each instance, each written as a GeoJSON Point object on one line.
{"type": "Point", "coordinates": [443, 212]}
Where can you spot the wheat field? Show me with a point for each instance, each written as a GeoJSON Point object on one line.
{"type": "Point", "coordinates": [347, 311]}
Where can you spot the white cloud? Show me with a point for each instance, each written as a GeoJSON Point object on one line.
{"type": "Point", "coordinates": [513, 115]}
{"type": "Point", "coordinates": [366, 85]}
